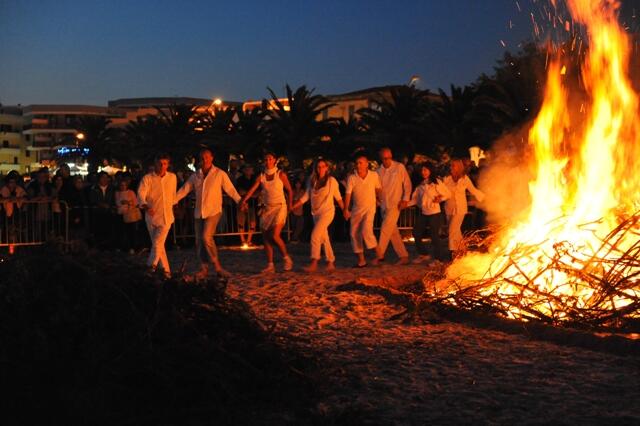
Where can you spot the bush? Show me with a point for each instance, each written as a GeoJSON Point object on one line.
{"type": "Point", "coordinates": [94, 339]}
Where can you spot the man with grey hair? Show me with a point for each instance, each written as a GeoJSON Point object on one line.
{"type": "Point", "coordinates": [208, 182]}
{"type": "Point", "coordinates": [395, 195]}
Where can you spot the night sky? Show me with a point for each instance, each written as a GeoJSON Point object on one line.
{"type": "Point", "coordinates": [89, 52]}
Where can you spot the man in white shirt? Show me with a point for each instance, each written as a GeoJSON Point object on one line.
{"type": "Point", "coordinates": [363, 188]}
{"type": "Point", "coordinates": [208, 183]}
{"type": "Point", "coordinates": [396, 193]}
{"type": "Point", "coordinates": [156, 196]}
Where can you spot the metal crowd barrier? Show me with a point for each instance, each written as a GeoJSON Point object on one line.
{"type": "Point", "coordinates": [184, 227]}
{"type": "Point", "coordinates": [32, 222]}
{"type": "Point", "coordinates": [228, 226]}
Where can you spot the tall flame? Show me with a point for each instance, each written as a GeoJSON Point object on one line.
{"type": "Point", "coordinates": [586, 182]}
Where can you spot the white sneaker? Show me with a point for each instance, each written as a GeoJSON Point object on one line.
{"type": "Point", "coordinates": [269, 269]}
{"type": "Point", "coordinates": [288, 263]}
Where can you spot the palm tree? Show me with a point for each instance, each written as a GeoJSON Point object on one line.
{"type": "Point", "coordinates": [347, 138]}
{"type": "Point", "coordinates": [450, 120]}
{"type": "Point", "coordinates": [250, 133]}
{"type": "Point", "coordinates": [179, 136]}
{"type": "Point", "coordinates": [100, 139]}
{"type": "Point", "coordinates": [143, 138]}
{"type": "Point", "coordinates": [295, 129]}
{"type": "Point", "coordinates": [398, 121]}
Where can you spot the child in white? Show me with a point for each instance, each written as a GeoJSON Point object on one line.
{"type": "Point", "coordinates": [157, 195]}
{"type": "Point", "coordinates": [428, 196]}
{"type": "Point", "coordinates": [322, 190]}
{"type": "Point", "coordinates": [396, 191]}
{"type": "Point", "coordinates": [456, 206]}
{"type": "Point", "coordinates": [363, 188]}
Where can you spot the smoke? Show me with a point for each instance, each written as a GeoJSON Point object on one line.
{"type": "Point", "coordinates": [504, 178]}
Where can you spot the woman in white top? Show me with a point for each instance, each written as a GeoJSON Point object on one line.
{"type": "Point", "coordinates": [428, 196]}
{"type": "Point", "coordinates": [274, 211]}
{"type": "Point", "coordinates": [322, 189]}
{"type": "Point", "coordinates": [456, 207]}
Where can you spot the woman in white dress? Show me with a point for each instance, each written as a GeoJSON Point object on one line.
{"type": "Point", "coordinates": [274, 211]}
{"type": "Point", "coordinates": [456, 206]}
{"type": "Point", "coordinates": [322, 189]}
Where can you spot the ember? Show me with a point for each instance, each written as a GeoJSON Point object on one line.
{"type": "Point", "coordinates": [575, 256]}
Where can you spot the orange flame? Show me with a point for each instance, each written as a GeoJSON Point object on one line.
{"type": "Point", "coordinates": [586, 179]}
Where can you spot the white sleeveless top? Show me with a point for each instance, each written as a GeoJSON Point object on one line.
{"type": "Point", "coordinates": [273, 190]}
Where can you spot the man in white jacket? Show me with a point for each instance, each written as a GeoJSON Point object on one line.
{"type": "Point", "coordinates": [208, 182]}
{"type": "Point", "coordinates": [396, 193]}
{"type": "Point", "coordinates": [156, 196]}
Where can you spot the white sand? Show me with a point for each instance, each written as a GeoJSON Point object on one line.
{"type": "Point", "coordinates": [379, 371]}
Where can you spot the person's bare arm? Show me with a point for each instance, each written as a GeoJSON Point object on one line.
{"type": "Point", "coordinates": [249, 193]}
{"type": "Point", "coordinates": [288, 189]}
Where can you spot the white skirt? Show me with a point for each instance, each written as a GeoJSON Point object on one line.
{"type": "Point", "coordinates": [272, 215]}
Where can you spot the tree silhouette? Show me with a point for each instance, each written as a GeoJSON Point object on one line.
{"type": "Point", "coordinates": [100, 139]}
{"type": "Point", "coordinates": [294, 129]}
{"type": "Point", "coordinates": [399, 121]}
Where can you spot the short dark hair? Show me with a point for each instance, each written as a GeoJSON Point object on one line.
{"type": "Point", "coordinates": [360, 154]}
{"type": "Point", "coordinates": [162, 156]}
{"type": "Point", "coordinates": [206, 149]}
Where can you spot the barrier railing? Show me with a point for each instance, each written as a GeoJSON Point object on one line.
{"type": "Point", "coordinates": [233, 222]}
{"type": "Point", "coordinates": [230, 225]}
{"type": "Point", "coordinates": [32, 222]}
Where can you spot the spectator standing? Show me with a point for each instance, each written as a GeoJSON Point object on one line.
{"type": "Point", "coordinates": [78, 205]}
{"type": "Point", "coordinates": [297, 213]}
{"type": "Point", "coordinates": [246, 219]}
{"type": "Point", "coordinates": [41, 191]}
{"type": "Point", "coordinates": [102, 202]}
{"type": "Point", "coordinates": [128, 216]}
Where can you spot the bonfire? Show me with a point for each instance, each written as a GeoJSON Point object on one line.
{"type": "Point", "coordinates": [575, 255]}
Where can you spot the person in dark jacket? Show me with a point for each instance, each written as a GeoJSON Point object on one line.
{"type": "Point", "coordinates": [102, 202]}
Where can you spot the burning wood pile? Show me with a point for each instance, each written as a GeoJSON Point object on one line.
{"type": "Point", "coordinates": [575, 255]}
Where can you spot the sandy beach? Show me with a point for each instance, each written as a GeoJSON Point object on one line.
{"type": "Point", "coordinates": [376, 370]}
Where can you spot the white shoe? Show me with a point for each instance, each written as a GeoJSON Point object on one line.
{"type": "Point", "coordinates": [269, 269]}
{"type": "Point", "coordinates": [288, 263]}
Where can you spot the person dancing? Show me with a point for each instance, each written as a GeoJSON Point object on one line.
{"type": "Point", "coordinates": [322, 190]}
{"type": "Point", "coordinates": [363, 187]}
{"type": "Point", "coordinates": [456, 207]}
{"type": "Point", "coordinates": [428, 196]}
{"type": "Point", "coordinates": [396, 192]}
{"type": "Point", "coordinates": [274, 212]}
{"type": "Point", "coordinates": [156, 196]}
{"type": "Point", "coordinates": [208, 183]}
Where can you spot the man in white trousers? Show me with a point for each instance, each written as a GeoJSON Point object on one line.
{"type": "Point", "coordinates": [156, 196]}
{"type": "Point", "coordinates": [363, 188]}
{"type": "Point", "coordinates": [208, 182]}
{"type": "Point", "coordinates": [396, 193]}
